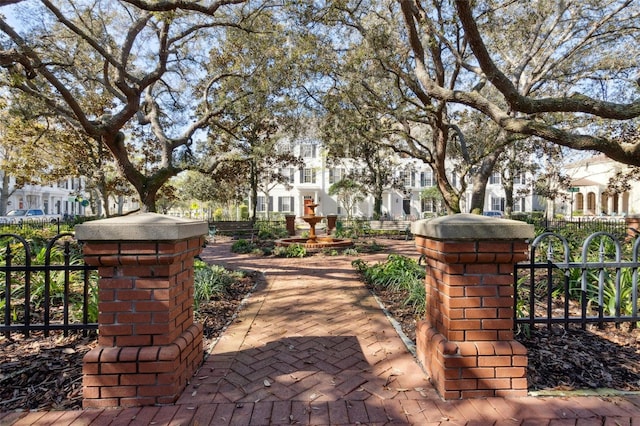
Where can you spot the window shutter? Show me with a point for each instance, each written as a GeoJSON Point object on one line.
{"type": "Point", "coordinates": [279, 204]}
{"type": "Point", "coordinates": [291, 209]}
{"type": "Point", "coordinates": [270, 207]}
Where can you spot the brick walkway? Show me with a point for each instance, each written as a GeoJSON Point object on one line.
{"type": "Point", "coordinates": [312, 347]}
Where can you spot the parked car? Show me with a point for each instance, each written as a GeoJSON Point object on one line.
{"type": "Point", "coordinates": [29, 215]}
{"type": "Point", "coordinates": [493, 213]}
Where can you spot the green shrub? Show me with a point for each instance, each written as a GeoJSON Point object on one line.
{"type": "Point", "coordinates": [330, 252]}
{"type": "Point", "coordinates": [293, 250]}
{"type": "Point", "coordinates": [242, 246]}
{"type": "Point", "coordinates": [279, 251]}
{"type": "Point", "coordinates": [244, 212]}
{"type": "Point", "coordinates": [272, 234]}
{"type": "Point", "coordinates": [399, 273]}
{"type": "Point", "coordinates": [211, 281]}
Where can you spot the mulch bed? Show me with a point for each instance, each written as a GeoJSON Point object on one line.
{"type": "Point", "coordinates": [45, 373]}
{"type": "Point", "coordinates": [559, 359]}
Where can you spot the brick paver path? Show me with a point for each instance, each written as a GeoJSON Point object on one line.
{"type": "Point", "coordinates": [312, 346]}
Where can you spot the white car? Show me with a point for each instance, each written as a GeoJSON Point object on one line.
{"type": "Point", "coordinates": [29, 215]}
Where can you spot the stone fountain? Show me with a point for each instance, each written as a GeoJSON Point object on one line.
{"type": "Point", "coordinates": [314, 241]}
{"type": "Point", "coordinates": [312, 220]}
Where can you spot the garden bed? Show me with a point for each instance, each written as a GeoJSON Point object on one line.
{"type": "Point", "coordinates": [605, 358]}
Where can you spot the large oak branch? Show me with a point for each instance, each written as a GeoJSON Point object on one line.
{"type": "Point", "coordinates": [574, 103]}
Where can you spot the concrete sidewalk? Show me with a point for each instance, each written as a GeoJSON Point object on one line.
{"type": "Point", "coordinates": [312, 346]}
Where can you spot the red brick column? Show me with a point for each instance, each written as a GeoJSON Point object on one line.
{"type": "Point", "coordinates": [633, 225]}
{"type": "Point", "coordinates": [148, 346]}
{"type": "Point", "coordinates": [466, 341]}
{"type": "Point", "coordinates": [291, 224]}
{"type": "Point", "coordinates": [331, 223]}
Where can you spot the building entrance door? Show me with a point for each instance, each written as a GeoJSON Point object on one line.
{"type": "Point", "coordinates": [307, 201]}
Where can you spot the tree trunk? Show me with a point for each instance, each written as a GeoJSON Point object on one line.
{"type": "Point", "coordinates": [377, 203]}
{"type": "Point", "coordinates": [478, 191]}
{"type": "Point", "coordinates": [254, 191]}
{"type": "Point", "coordinates": [148, 202]}
{"type": "Point", "coordinates": [508, 197]}
{"type": "Point", "coordinates": [479, 182]}
{"type": "Point", "coordinates": [450, 195]}
{"type": "Point", "coordinates": [4, 194]}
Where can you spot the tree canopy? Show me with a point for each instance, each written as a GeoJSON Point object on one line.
{"type": "Point", "coordinates": [422, 71]}
{"type": "Point", "coordinates": [111, 68]}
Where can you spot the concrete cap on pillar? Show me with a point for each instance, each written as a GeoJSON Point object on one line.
{"type": "Point", "coordinates": [466, 226]}
{"type": "Point", "coordinates": [141, 227]}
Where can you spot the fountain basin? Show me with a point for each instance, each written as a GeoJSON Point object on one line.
{"type": "Point", "coordinates": [318, 244]}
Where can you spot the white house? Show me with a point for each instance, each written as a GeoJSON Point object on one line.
{"type": "Point", "coordinates": [588, 193]}
{"type": "Point", "coordinates": [311, 185]}
{"type": "Point", "coordinates": [62, 197]}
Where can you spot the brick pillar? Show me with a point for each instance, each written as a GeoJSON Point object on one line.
{"type": "Point", "coordinates": [331, 223]}
{"type": "Point", "coordinates": [633, 225]}
{"type": "Point", "coordinates": [466, 341]}
{"type": "Point", "coordinates": [291, 224]}
{"type": "Point", "coordinates": [148, 345]}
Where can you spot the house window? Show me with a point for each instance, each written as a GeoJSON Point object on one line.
{"type": "Point", "coordinates": [519, 179]}
{"type": "Point", "coordinates": [285, 147]}
{"type": "Point", "coordinates": [264, 203]}
{"type": "Point", "coordinates": [495, 179]}
{"type": "Point", "coordinates": [428, 205]}
{"type": "Point", "coordinates": [285, 204]}
{"type": "Point", "coordinates": [497, 203]}
{"type": "Point", "coordinates": [519, 204]}
{"type": "Point", "coordinates": [336, 175]}
{"type": "Point", "coordinates": [454, 180]}
{"type": "Point", "coordinates": [591, 202]}
{"type": "Point", "coordinates": [289, 173]}
{"type": "Point", "coordinates": [308, 151]}
{"type": "Point", "coordinates": [408, 178]}
{"type": "Point", "coordinates": [426, 179]}
{"type": "Point", "coordinates": [261, 206]}
{"type": "Point", "coordinates": [307, 175]}
{"type": "Point", "coordinates": [579, 201]}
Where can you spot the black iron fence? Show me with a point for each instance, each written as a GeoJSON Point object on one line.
{"type": "Point", "coordinates": [583, 225]}
{"type": "Point", "coordinates": [46, 286]}
{"type": "Point", "coordinates": [560, 284]}
{"type": "Point", "coordinates": [59, 225]}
